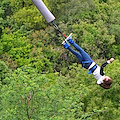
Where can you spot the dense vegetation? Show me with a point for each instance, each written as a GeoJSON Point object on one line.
{"type": "Point", "coordinates": [39, 80]}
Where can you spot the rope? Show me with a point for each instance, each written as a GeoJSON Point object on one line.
{"type": "Point", "coordinates": [56, 28]}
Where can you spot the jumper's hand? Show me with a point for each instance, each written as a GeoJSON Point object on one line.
{"type": "Point", "coordinates": [111, 60]}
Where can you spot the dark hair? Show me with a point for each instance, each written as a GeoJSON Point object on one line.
{"type": "Point", "coordinates": [106, 84]}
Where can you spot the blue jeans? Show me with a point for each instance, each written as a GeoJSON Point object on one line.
{"type": "Point", "coordinates": [81, 55]}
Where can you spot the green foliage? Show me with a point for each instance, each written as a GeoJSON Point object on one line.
{"type": "Point", "coordinates": [30, 16]}
{"type": "Point", "coordinates": [43, 50]}
{"type": "Point", "coordinates": [20, 50]}
{"type": "Point", "coordinates": [18, 4]}
{"type": "Point", "coordinates": [4, 8]}
{"type": "Point", "coordinates": [30, 95]}
{"type": "Point", "coordinates": [15, 44]}
{"type": "Point", "coordinates": [4, 70]}
{"type": "Point", "coordinates": [11, 40]}
{"type": "Point", "coordinates": [41, 80]}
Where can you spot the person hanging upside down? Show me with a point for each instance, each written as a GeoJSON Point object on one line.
{"type": "Point", "coordinates": [88, 63]}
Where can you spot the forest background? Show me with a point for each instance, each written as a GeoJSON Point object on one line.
{"type": "Point", "coordinates": [39, 79]}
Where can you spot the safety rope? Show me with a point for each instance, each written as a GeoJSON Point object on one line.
{"type": "Point", "coordinates": [56, 28]}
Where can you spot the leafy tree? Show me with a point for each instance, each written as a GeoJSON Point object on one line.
{"type": "Point", "coordinates": [44, 50]}
{"type": "Point", "coordinates": [4, 71]}
{"type": "Point", "coordinates": [30, 95]}
{"type": "Point", "coordinates": [19, 4]}
{"type": "Point", "coordinates": [5, 9]}
{"type": "Point", "coordinates": [20, 50]}
{"type": "Point", "coordinates": [31, 16]}
{"type": "Point", "coordinates": [15, 44]}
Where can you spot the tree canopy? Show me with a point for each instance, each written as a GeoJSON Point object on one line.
{"type": "Point", "coordinates": [41, 80]}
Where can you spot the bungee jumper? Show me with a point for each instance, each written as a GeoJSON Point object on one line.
{"type": "Point", "coordinates": [88, 63]}
{"type": "Point", "coordinates": [83, 57]}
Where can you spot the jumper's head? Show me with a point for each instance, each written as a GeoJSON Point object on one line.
{"type": "Point", "coordinates": [106, 82]}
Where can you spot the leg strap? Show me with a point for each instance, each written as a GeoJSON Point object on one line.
{"type": "Point", "coordinates": [66, 45]}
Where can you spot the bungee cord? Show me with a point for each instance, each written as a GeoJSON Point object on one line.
{"type": "Point", "coordinates": [56, 28]}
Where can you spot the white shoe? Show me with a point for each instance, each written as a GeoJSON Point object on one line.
{"type": "Point", "coordinates": [64, 42]}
